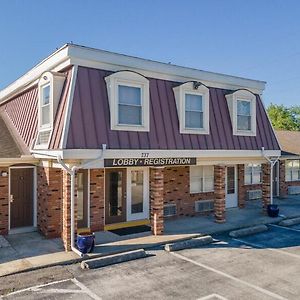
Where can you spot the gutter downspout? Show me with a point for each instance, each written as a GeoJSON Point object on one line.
{"type": "Point", "coordinates": [72, 173]}
{"type": "Point", "coordinates": [272, 163]}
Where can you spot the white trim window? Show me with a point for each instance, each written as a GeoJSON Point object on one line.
{"type": "Point", "coordinates": [242, 108]}
{"type": "Point", "coordinates": [45, 106]}
{"type": "Point", "coordinates": [201, 179]}
{"type": "Point", "coordinates": [292, 170]}
{"type": "Point", "coordinates": [253, 174]}
{"type": "Point", "coordinates": [128, 94]}
{"type": "Point", "coordinates": [192, 101]}
{"type": "Point", "coordinates": [50, 88]}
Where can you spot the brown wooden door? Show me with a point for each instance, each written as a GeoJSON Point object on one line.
{"type": "Point", "coordinates": [115, 196]}
{"type": "Point", "coordinates": [21, 197]}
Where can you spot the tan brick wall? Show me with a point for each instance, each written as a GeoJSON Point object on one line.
{"type": "Point", "coordinates": [4, 202]}
{"type": "Point", "coordinates": [49, 202]}
{"type": "Point", "coordinates": [284, 185]}
{"type": "Point", "coordinates": [157, 200]}
{"type": "Point", "coordinates": [177, 190]}
{"type": "Point", "coordinates": [97, 199]}
{"type": "Point", "coordinates": [219, 174]}
{"type": "Point", "coordinates": [242, 188]}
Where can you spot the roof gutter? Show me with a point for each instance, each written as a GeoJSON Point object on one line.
{"type": "Point", "coordinates": [72, 173]}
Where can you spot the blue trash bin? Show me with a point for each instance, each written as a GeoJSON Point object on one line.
{"type": "Point", "coordinates": [273, 210]}
{"type": "Point", "coordinates": [85, 242]}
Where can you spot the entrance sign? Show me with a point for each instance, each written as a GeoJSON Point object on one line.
{"type": "Point", "coordinates": [149, 162]}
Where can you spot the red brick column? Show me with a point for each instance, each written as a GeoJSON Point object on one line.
{"type": "Point", "coordinates": [266, 185]}
{"type": "Point", "coordinates": [241, 186]}
{"type": "Point", "coordinates": [219, 173]}
{"type": "Point", "coordinates": [66, 208]}
{"type": "Point", "coordinates": [97, 199]}
{"type": "Point", "coordinates": [4, 202]}
{"type": "Point", "coordinates": [283, 186]}
{"type": "Point", "coordinates": [49, 204]}
{"type": "Point", "coordinates": [157, 200]}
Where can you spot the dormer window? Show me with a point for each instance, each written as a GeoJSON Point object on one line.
{"type": "Point", "coordinates": [242, 108]}
{"type": "Point", "coordinates": [45, 106]}
{"type": "Point", "coordinates": [128, 94]}
{"type": "Point", "coordinates": [243, 115]}
{"type": "Point", "coordinates": [50, 88]}
{"type": "Point", "coordinates": [130, 105]}
{"type": "Point", "coordinates": [192, 101]}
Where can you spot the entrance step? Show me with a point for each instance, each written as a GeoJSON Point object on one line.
{"type": "Point", "coordinates": [195, 242]}
{"type": "Point", "coordinates": [248, 231]}
{"type": "Point", "coordinates": [290, 222]}
{"type": "Point", "coordinates": [113, 259]}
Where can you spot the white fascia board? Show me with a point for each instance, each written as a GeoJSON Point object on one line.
{"type": "Point", "coordinates": [114, 62]}
{"type": "Point", "coordinates": [21, 160]}
{"type": "Point", "coordinates": [89, 154]}
{"type": "Point", "coordinates": [50, 63]}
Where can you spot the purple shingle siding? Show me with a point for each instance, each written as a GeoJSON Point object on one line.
{"type": "Point", "coordinates": [90, 120]}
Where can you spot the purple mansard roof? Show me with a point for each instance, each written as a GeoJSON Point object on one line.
{"type": "Point", "coordinates": [90, 120]}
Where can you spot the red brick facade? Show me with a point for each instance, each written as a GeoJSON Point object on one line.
{"type": "Point", "coordinates": [49, 204]}
{"type": "Point", "coordinates": [66, 209]}
{"type": "Point", "coordinates": [242, 188]}
{"type": "Point", "coordinates": [157, 200]}
{"type": "Point", "coordinates": [97, 199]}
{"type": "Point", "coordinates": [177, 191]}
{"type": "Point", "coordinates": [219, 174]}
{"type": "Point", "coordinates": [284, 185]}
{"type": "Point", "coordinates": [4, 215]}
{"type": "Point", "coordinates": [266, 185]}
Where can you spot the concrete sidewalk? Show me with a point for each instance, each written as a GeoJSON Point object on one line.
{"type": "Point", "coordinates": [236, 218]}
{"type": "Point", "coordinates": [22, 252]}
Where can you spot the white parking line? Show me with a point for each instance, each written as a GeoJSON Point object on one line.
{"type": "Point", "coordinates": [212, 296]}
{"type": "Point", "coordinates": [283, 227]}
{"type": "Point", "coordinates": [257, 288]}
{"type": "Point", "coordinates": [86, 289]}
{"type": "Point", "coordinates": [271, 249]}
{"type": "Point", "coordinates": [39, 288]}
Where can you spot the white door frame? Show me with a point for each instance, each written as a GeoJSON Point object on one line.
{"type": "Point", "coordinates": [229, 198]}
{"type": "Point", "coordinates": [145, 213]}
{"type": "Point", "coordinates": [23, 229]}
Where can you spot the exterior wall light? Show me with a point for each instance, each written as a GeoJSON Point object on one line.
{"type": "Point", "coordinates": [4, 174]}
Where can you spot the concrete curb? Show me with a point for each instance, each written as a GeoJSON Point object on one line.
{"type": "Point", "coordinates": [113, 259]}
{"type": "Point", "coordinates": [290, 222]}
{"type": "Point", "coordinates": [195, 242]}
{"type": "Point", "coordinates": [248, 231]}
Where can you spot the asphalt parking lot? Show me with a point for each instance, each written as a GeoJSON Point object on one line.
{"type": "Point", "coordinates": [262, 266]}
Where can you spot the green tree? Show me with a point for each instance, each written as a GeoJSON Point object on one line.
{"type": "Point", "coordinates": [286, 118]}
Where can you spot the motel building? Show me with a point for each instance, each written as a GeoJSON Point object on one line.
{"type": "Point", "coordinates": [99, 140]}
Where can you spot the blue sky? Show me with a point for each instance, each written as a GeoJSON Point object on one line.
{"type": "Point", "coordinates": [253, 39]}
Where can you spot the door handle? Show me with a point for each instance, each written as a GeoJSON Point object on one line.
{"type": "Point", "coordinates": [12, 198]}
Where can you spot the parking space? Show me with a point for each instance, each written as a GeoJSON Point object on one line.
{"type": "Point", "coordinates": [263, 266]}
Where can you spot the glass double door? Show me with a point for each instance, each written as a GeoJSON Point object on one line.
{"type": "Point", "coordinates": [126, 195]}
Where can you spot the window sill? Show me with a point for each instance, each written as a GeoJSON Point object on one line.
{"type": "Point", "coordinates": [130, 128]}
{"type": "Point", "coordinates": [194, 131]}
{"type": "Point", "coordinates": [244, 133]}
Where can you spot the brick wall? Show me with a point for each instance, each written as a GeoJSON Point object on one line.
{"type": "Point", "coordinates": [284, 185]}
{"type": "Point", "coordinates": [157, 200]}
{"type": "Point", "coordinates": [219, 174]}
{"type": "Point", "coordinates": [266, 186]}
{"type": "Point", "coordinates": [49, 204]}
{"type": "Point", "coordinates": [177, 190]}
{"type": "Point", "coordinates": [66, 210]}
{"type": "Point", "coordinates": [242, 188]}
{"type": "Point", "coordinates": [4, 202]}
{"type": "Point", "coordinates": [97, 199]}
